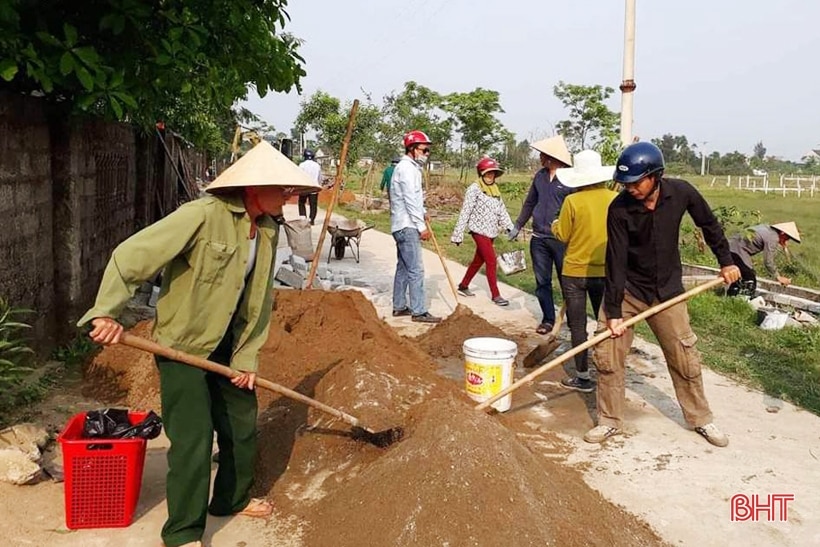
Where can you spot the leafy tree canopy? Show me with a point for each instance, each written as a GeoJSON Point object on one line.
{"type": "Point", "coordinates": [182, 61]}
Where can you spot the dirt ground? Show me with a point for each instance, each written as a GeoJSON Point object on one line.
{"type": "Point", "coordinates": [459, 477]}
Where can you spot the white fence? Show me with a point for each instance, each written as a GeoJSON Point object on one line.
{"type": "Point", "coordinates": [800, 185]}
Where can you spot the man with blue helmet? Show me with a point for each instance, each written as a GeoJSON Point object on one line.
{"type": "Point", "coordinates": [643, 269]}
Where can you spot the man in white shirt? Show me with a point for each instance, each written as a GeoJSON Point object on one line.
{"type": "Point", "coordinates": [314, 172]}
{"type": "Point", "coordinates": [409, 228]}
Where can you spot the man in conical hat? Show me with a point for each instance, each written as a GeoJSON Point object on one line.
{"type": "Point", "coordinates": [763, 238]}
{"type": "Point", "coordinates": [543, 202]}
{"type": "Point", "coordinates": [217, 254]}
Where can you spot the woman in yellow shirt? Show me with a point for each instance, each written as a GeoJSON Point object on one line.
{"type": "Point", "coordinates": [581, 224]}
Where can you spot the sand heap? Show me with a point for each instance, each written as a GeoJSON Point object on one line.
{"type": "Point", "coordinates": [460, 477]}
{"type": "Point", "coordinates": [447, 338]}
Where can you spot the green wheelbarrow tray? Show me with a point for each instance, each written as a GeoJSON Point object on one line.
{"type": "Point", "coordinates": [344, 234]}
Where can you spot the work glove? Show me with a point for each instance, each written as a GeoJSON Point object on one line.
{"type": "Point", "coordinates": [512, 233]}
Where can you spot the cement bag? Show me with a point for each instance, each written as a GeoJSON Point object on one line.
{"type": "Point", "coordinates": [512, 262]}
{"type": "Point", "coordinates": [299, 238]}
{"type": "Point", "coordinates": [774, 320]}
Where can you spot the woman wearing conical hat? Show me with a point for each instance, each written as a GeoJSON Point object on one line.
{"type": "Point", "coordinates": [217, 254]}
{"type": "Point", "coordinates": [763, 238]}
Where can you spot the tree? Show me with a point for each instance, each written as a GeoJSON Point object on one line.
{"type": "Point", "coordinates": [415, 107]}
{"type": "Point", "coordinates": [591, 123]}
{"type": "Point", "coordinates": [474, 114]}
{"type": "Point", "coordinates": [325, 115]}
{"type": "Point", "coordinates": [759, 151]}
{"type": "Point", "coordinates": [182, 62]}
{"type": "Point", "coordinates": [678, 154]}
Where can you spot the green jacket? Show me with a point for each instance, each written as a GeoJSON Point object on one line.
{"type": "Point", "coordinates": [204, 249]}
{"type": "Point", "coordinates": [387, 174]}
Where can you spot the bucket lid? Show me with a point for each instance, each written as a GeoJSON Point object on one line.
{"type": "Point", "coordinates": [491, 346]}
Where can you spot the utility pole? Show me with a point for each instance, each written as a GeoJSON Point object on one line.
{"type": "Point", "coordinates": [628, 84]}
{"type": "Point", "coordinates": [703, 159]}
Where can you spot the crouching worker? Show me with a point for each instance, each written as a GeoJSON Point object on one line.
{"type": "Point", "coordinates": [218, 256]}
{"type": "Point", "coordinates": [643, 269]}
{"type": "Point", "coordinates": [765, 239]}
{"type": "Point", "coordinates": [483, 214]}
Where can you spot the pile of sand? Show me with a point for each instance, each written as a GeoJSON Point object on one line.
{"type": "Point", "coordinates": [460, 477]}
{"type": "Point", "coordinates": [447, 338]}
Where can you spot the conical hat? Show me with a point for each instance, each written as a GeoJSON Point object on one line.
{"type": "Point", "coordinates": [554, 147]}
{"type": "Point", "coordinates": [263, 165]}
{"type": "Point", "coordinates": [788, 228]}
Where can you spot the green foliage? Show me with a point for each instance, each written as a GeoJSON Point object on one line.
{"type": "Point", "coordinates": [591, 123]}
{"type": "Point", "coordinates": [678, 154]}
{"type": "Point", "coordinates": [182, 62]}
{"type": "Point", "coordinates": [76, 351]}
{"type": "Point", "coordinates": [415, 107]}
{"type": "Point", "coordinates": [474, 114]}
{"type": "Point", "coordinates": [326, 115]}
{"type": "Point", "coordinates": [14, 352]}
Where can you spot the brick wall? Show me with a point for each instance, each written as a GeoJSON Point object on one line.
{"type": "Point", "coordinates": [70, 191]}
{"type": "Point", "coordinates": [25, 212]}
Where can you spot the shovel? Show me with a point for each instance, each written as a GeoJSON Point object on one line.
{"type": "Point", "coordinates": [443, 262]}
{"type": "Point", "coordinates": [550, 343]}
{"type": "Point", "coordinates": [359, 432]}
{"type": "Point", "coordinates": [598, 339]}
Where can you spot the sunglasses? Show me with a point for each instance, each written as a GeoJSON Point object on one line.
{"type": "Point", "coordinates": [424, 150]}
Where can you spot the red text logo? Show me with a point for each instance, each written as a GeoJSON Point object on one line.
{"type": "Point", "coordinates": [771, 508]}
{"type": "Point", "coordinates": [474, 379]}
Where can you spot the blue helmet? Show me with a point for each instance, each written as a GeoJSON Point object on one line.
{"type": "Point", "coordinates": [308, 154]}
{"type": "Point", "coordinates": [637, 161]}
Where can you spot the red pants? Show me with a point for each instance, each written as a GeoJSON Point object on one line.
{"type": "Point", "coordinates": [484, 254]}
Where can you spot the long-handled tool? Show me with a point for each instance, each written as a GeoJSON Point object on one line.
{"type": "Point", "coordinates": [598, 339]}
{"type": "Point", "coordinates": [443, 262]}
{"type": "Point", "coordinates": [335, 191]}
{"type": "Point", "coordinates": [358, 430]}
{"type": "Point", "coordinates": [549, 344]}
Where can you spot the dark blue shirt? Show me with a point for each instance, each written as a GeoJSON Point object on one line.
{"type": "Point", "coordinates": [543, 203]}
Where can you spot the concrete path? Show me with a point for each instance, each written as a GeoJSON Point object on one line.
{"type": "Point", "coordinates": [659, 470]}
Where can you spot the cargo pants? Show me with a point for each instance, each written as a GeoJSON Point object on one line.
{"type": "Point", "coordinates": [195, 403]}
{"type": "Point", "coordinates": [677, 340]}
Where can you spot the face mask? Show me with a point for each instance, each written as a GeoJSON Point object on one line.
{"type": "Point", "coordinates": [421, 159]}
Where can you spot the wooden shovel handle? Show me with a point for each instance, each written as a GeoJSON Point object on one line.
{"type": "Point", "coordinates": [598, 339]}
{"type": "Point", "coordinates": [443, 261]}
{"type": "Point", "coordinates": [204, 364]}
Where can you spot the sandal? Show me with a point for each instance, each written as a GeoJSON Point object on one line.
{"type": "Point", "coordinates": [543, 328]}
{"type": "Point", "coordinates": [257, 508]}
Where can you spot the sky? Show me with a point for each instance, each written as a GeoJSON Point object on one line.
{"type": "Point", "coordinates": [727, 73]}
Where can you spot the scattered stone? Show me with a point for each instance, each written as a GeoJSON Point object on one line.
{"type": "Point", "coordinates": [325, 284]}
{"type": "Point", "coordinates": [16, 467]}
{"type": "Point", "coordinates": [323, 272]}
{"type": "Point", "coordinates": [52, 462]}
{"type": "Point", "coordinates": [806, 318]}
{"type": "Point", "coordinates": [299, 264]}
{"type": "Point", "coordinates": [290, 278]}
{"type": "Point", "coordinates": [28, 438]}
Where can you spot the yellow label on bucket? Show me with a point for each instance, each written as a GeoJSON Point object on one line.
{"type": "Point", "coordinates": [483, 380]}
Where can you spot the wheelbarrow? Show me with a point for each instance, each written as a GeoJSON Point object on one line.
{"type": "Point", "coordinates": [344, 234]}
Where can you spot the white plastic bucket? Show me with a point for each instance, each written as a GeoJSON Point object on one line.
{"type": "Point", "coordinates": [488, 369]}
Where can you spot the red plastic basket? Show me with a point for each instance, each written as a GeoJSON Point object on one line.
{"type": "Point", "coordinates": [102, 476]}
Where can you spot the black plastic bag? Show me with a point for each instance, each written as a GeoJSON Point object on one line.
{"type": "Point", "coordinates": [113, 423]}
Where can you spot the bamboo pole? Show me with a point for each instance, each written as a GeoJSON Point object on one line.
{"type": "Point", "coordinates": [337, 186]}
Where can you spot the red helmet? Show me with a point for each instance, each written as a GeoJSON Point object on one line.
{"type": "Point", "coordinates": [415, 137]}
{"type": "Point", "coordinates": [486, 165]}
